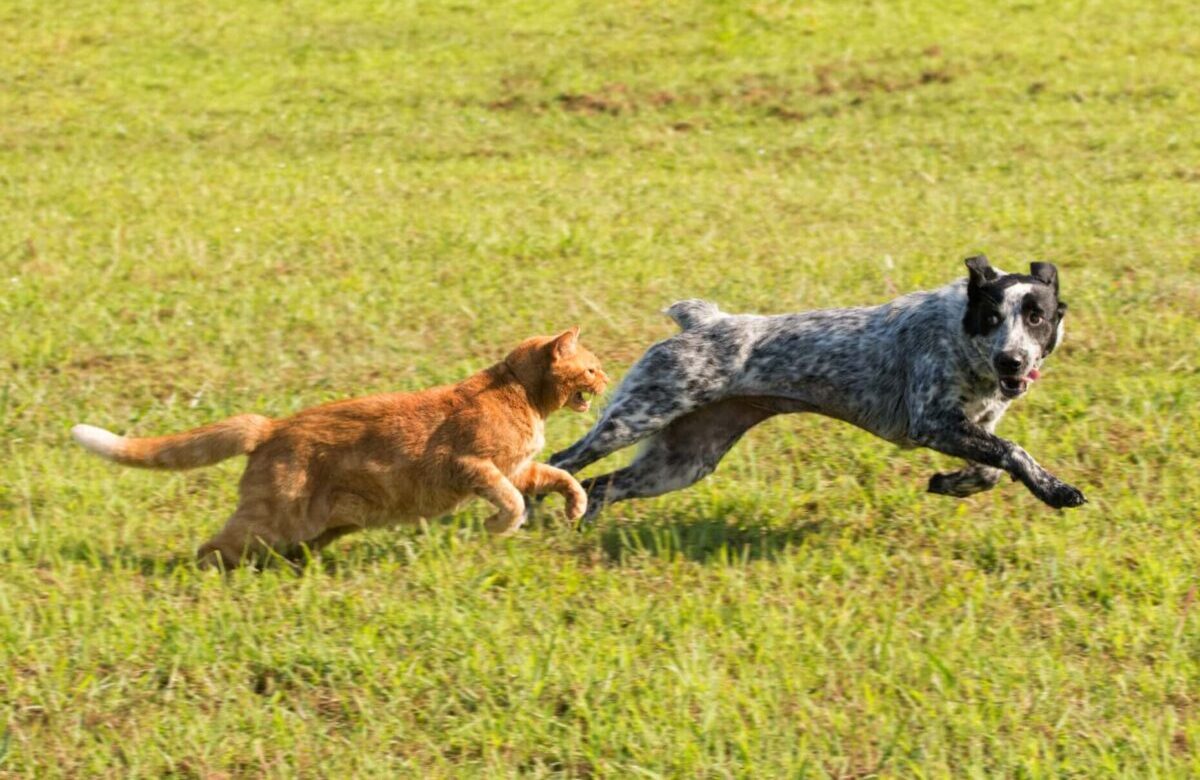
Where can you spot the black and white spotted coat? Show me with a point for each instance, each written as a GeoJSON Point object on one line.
{"type": "Point", "coordinates": [935, 369]}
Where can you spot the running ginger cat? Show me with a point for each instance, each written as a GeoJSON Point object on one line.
{"type": "Point", "coordinates": [375, 461]}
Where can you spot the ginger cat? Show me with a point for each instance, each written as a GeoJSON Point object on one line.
{"type": "Point", "coordinates": [383, 459]}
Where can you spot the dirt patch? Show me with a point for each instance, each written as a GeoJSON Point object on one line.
{"type": "Point", "coordinates": [790, 102]}
{"type": "Point", "coordinates": [786, 102]}
{"type": "Point", "coordinates": [510, 103]}
{"type": "Point", "coordinates": [612, 99]}
{"type": "Point", "coordinates": [788, 114]}
{"type": "Point", "coordinates": [103, 361]}
{"type": "Point", "coordinates": [663, 98]}
{"type": "Point", "coordinates": [831, 81]}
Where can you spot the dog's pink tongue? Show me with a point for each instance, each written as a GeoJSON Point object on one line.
{"type": "Point", "coordinates": [1034, 374]}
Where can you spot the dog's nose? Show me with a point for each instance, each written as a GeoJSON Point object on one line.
{"type": "Point", "coordinates": [1008, 364]}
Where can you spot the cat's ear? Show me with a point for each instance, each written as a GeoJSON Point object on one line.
{"type": "Point", "coordinates": [564, 344]}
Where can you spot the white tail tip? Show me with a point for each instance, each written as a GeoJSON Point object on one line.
{"type": "Point", "coordinates": [97, 440]}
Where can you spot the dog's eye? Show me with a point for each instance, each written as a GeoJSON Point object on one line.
{"type": "Point", "coordinates": [993, 320]}
{"type": "Point", "coordinates": [1035, 318]}
{"type": "Point", "coordinates": [591, 371]}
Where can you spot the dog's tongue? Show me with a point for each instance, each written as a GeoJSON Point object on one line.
{"type": "Point", "coordinates": [1034, 374]}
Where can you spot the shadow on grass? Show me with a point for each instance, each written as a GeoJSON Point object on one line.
{"type": "Point", "coordinates": [332, 560]}
{"type": "Point", "coordinates": [703, 540]}
{"type": "Point", "coordinates": [708, 540]}
{"type": "Point", "coordinates": [119, 559]}
{"type": "Point", "coordinates": [125, 559]}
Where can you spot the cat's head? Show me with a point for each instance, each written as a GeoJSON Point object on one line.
{"type": "Point", "coordinates": [560, 370]}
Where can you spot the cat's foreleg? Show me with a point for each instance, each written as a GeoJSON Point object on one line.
{"type": "Point", "coordinates": [488, 482]}
{"type": "Point", "coordinates": [538, 478]}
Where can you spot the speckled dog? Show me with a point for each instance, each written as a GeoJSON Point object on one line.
{"type": "Point", "coordinates": [930, 369]}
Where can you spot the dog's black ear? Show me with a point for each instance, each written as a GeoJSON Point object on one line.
{"type": "Point", "coordinates": [1062, 309]}
{"type": "Point", "coordinates": [981, 273]}
{"type": "Point", "coordinates": [1046, 273]}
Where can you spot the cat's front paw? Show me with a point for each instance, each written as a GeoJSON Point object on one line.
{"type": "Point", "coordinates": [504, 523]}
{"type": "Point", "coordinates": [577, 503]}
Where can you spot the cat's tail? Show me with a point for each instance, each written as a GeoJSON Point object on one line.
{"type": "Point", "coordinates": [199, 447]}
{"type": "Point", "coordinates": [693, 313]}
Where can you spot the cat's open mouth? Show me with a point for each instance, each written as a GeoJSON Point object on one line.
{"type": "Point", "coordinates": [579, 400]}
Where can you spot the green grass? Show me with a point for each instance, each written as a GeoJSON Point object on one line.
{"type": "Point", "coordinates": [262, 206]}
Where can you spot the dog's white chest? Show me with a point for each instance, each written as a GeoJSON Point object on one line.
{"type": "Point", "coordinates": [985, 411]}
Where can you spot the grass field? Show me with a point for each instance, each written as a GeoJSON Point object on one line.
{"type": "Point", "coordinates": [208, 209]}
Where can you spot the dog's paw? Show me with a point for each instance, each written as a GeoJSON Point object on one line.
{"type": "Point", "coordinates": [965, 482]}
{"type": "Point", "coordinates": [1060, 495]}
{"type": "Point", "coordinates": [944, 484]}
{"type": "Point", "coordinates": [953, 483]}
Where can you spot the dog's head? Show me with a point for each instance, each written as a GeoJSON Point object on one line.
{"type": "Point", "coordinates": [1014, 320]}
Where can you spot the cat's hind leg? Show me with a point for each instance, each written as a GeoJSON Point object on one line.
{"type": "Point", "coordinates": [488, 482]}
{"type": "Point", "coordinates": [252, 532]}
{"type": "Point", "coordinates": [276, 513]}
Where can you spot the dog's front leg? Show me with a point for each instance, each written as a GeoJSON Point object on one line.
{"type": "Point", "coordinates": [974, 478]}
{"type": "Point", "coordinates": [953, 434]}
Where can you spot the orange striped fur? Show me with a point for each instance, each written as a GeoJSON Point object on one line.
{"type": "Point", "coordinates": [383, 459]}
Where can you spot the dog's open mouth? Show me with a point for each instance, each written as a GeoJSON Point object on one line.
{"type": "Point", "coordinates": [1013, 386]}
{"type": "Point", "coordinates": [579, 400]}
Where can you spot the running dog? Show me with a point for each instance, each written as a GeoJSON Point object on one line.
{"type": "Point", "coordinates": [931, 369]}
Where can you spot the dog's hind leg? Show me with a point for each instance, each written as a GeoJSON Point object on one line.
{"type": "Point", "coordinates": [623, 423]}
{"type": "Point", "coordinates": [681, 454]}
{"type": "Point", "coordinates": [975, 478]}
{"type": "Point", "coordinates": [668, 382]}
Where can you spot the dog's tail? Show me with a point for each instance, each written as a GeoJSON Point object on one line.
{"type": "Point", "coordinates": [199, 447]}
{"type": "Point", "coordinates": [693, 313]}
